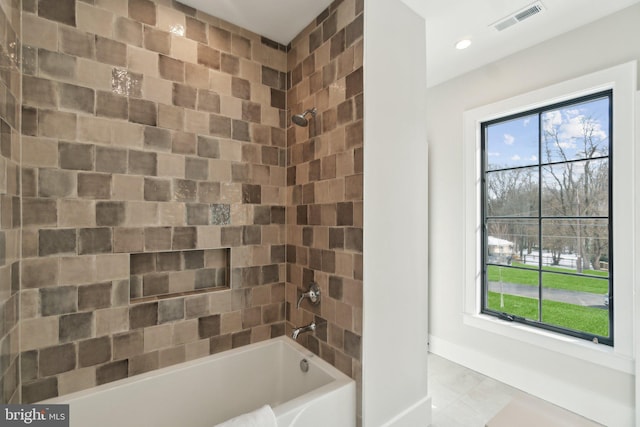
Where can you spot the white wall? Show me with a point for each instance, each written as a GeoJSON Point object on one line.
{"type": "Point", "coordinates": [596, 391]}
{"type": "Point", "coordinates": [395, 218]}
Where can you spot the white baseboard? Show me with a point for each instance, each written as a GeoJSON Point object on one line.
{"type": "Point", "coordinates": [416, 415]}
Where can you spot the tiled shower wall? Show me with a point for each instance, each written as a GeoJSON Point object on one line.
{"type": "Point", "coordinates": [9, 199]}
{"type": "Point", "coordinates": [324, 184]}
{"type": "Point", "coordinates": [148, 127]}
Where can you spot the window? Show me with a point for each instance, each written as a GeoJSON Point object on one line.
{"type": "Point", "coordinates": [618, 84]}
{"type": "Point", "coordinates": [546, 208]}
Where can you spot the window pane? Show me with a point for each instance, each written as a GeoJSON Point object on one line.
{"type": "Point", "coordinates": [513, 291]}
{"type": "Point", "coordinates": [510, 240]}
{"type": "Point", "coordinates": [512, 192]}
{"type": "Point", "coordinates": [576, 189]}
{"type": "Point", "coordinates": [512, 143]}
{"type": "Point", "coordinates": [576, 302]}
{"type": "Point", "coordinates": [576, 246]}
{"type": "Point", "coordinates": [579, 131]}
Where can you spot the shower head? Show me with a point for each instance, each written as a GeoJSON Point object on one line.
{"type": "Point", "coordinates": [301, 120]}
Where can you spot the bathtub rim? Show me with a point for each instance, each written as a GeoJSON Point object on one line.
{"type": "Point", "coordinates": [339, 379]}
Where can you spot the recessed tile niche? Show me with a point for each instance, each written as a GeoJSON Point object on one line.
{"type": "Point", "coordinates": [156, 275]}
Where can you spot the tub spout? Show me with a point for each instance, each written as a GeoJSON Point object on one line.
{"type": "Point", "coordinates": [297, 331]}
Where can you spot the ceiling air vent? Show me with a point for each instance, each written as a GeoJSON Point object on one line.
{"type": "Point", "coordinates": [519, 16]}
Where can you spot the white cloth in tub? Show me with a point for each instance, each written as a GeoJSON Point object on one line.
{"type": "Point", "coordinates": [262, 417]}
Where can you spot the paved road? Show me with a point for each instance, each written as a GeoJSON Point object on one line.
{"type": "Point", "coordinates": [572, 297]}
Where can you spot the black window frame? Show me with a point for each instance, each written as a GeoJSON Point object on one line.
{"type": "Point", "coordinates": [484, 229]}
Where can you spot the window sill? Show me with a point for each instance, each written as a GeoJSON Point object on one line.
{"type": "Point", "coordinates": [598, 354]}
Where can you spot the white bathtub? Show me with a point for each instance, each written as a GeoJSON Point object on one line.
{"type": "Point", "coordinates": [207, 391]}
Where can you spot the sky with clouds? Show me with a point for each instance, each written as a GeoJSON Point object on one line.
{"type": "Point", "coordinates": [515, 142]}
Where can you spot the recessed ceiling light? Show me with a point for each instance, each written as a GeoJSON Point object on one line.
{"type": "Point", "coordinates": [463, 44]}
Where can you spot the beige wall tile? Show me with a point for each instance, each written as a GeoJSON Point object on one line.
{"type": "Point", "coordinates": [94, 74]}
{"type": "Point", "coordinates": [220, 170]}
{"type": "Point", "coordinates": [127, 135]}
{"type": "Point", "coordinates": [181, 281]}
{"type": "Point", "coordinates": [142, 61]}
{"type": "Point", "coordinates": [38, 333]}
{"type": "Point", "coordinates": [93, 129]}
{"type": "Point", "coordinates": [157, 337]}
{"type": "Point", "coordinates": [230, 150]}
{"type": "Point", "coordinates": [76, 213]}
{"type": "Point", "coordinates": [231, 322]}
{"type": "Point", "coordinates": [39, 32]}
{"type": "Point", "coordinates": [261, 295]}
{"type": "Point", "coordinates": [272, 195]}
{"type": "Point", "coordinates": [171, 20]}
{"type": "Point", "coordinates": [171, 165]}
{"type": "Point", "coordinates": [185, 332]}
{"type": "Point", "coordinates": [142, 214]}
{"type": "Point", "coordinates": [128, 187]}
{"type": "Point", "coordinates": [172, 356]}
{"type": "Point", "coordinates": [358, 54]}
{"type": "Point", "coordinates": [77, 270]}
{"type": "Point", "coordinates": [112, 267]}
{"type": "Point", "coordinates": [172, 213]}
{"type": "Point", "coordinates": [260, 333]}
{"type": "Point", "coordinates": [197, 76]}
{"type": "Point", "coordinates": [42, 272]}
{"type": "Point", "coordinates": [344, 315]}
{"type": "Point", "coordinates": [157, 90]}
{"type": "Point", "coordinates": [250, 70]}
{"type": "Point", "coordinates": [29, 303]}
{"type": "Point", "coordinates": [76, 380]}
{"type": "Point", "coordinates": [261, 254]}
{"type": "Point", "coordinates": [269, 57]}
{"type": "Point", "coordinates": [184, 49]}
{"type": "Point", "coordinates": [94, 20]}
{"type": "Point", "coordinates": [345, 13]}
{"type": "Point", "coordinates": [344, 264]}
{"type": "Point", "coordinates": [197, 349]}
{"type": "Point", "coordinates": [39, 152]}
{"type": "Point", "coordinates": [119, 7]}
{"type": "Point", "coordinates": [220, 301]}
{"type": "Point", "coordinates": [271, 117]}
{"type": "Point", "coordinates": [262, 95]}
{"type": "Point", "coordinates": [231, 107]}
{"type": "Point", "coordinates": [196, 122]}
{"type": "Point", "coordinates": [112, 320]}
{"type": "Point", "coordinates": [170, 117]}
{"type": "Point", "coordinates": [220, 82]}
{"type": "Point", "coordinates": [208, 237]}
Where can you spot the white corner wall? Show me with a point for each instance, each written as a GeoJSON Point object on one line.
{"type": "Point", "coordinates": [602, 393]}
{"type": "Point", "coordinates": [395, 332]}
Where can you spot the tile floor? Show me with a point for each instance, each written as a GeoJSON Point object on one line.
{"type": "Point", "coordinates": [462, 397]}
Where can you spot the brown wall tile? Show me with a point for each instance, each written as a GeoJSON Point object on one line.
{"type": "Point", "coordinates": [77, 43]}
{"type": "Point", "coordinates": [111, 51]}
{"type": "Point", "coordinates": [143, 11]}
{"type": "Point", "coordinates": [62, 11]}
{"type": "Point", "coordinates": [94, 351]}
{"type": "Point", "coordinates": [75, 326]}
{"type": "Point", "coordinates": [58, 300]}
{"type": "Point", "coordinates": [112, 372]}
{"type": "Point", "coordinates": [157, 41]}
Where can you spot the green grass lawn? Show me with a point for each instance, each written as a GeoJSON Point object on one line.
{"type": "Point", "coordinates": [550, 280]}
{"type": "Point", "coordinates": [584, 319]}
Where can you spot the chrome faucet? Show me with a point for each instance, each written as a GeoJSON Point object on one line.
{"type": "Point", "coordinates": [313, 294]}
{"type": "Point", "coordinates": [297, 331]}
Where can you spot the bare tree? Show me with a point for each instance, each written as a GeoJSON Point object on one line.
{"type": "Point", "coordinates": [578, 186]}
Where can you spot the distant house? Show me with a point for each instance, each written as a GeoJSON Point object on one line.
{"type": "Point", "coordinates": [500, 251]}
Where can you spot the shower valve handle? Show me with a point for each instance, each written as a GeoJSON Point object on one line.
{"type": "Point", "coordinates": [313, 294]}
